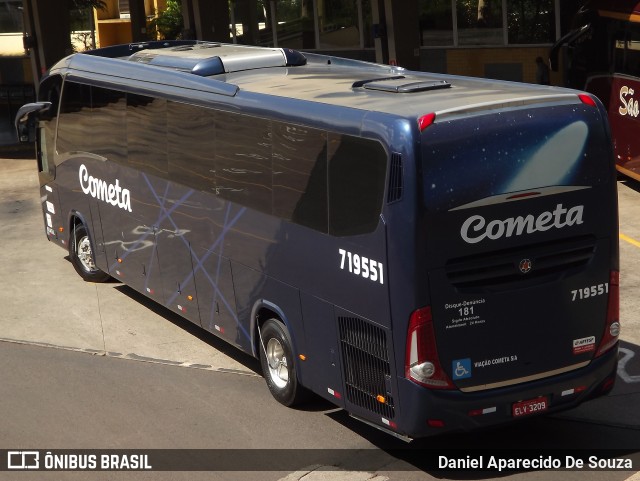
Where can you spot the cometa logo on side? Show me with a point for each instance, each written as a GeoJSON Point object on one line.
{"type": "Point", "coordinates": [99, 189]}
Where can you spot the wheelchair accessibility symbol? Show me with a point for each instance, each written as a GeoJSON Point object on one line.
{"type": "Point", "coordinates": [461, 369]}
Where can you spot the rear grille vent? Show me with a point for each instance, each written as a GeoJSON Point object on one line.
{"type": "Point", "coordinates": [367, 371]}
{"type": "Point", "coordinates": [508, 269]}
{"type": "Point", "coordinates": [395, 178]}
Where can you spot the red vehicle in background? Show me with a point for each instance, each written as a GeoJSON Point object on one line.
{"type": "Point", "coordinates": [602, 56]}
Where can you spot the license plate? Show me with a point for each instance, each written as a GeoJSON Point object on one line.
{"type": "Point", "coordinates": [532, 406]}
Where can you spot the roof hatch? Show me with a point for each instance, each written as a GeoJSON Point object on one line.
{"type": "Point", "coordinates": [403, 85]}
{"type": "Point", "coordinates": [206, 59]}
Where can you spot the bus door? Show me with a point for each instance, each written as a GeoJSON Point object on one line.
{"type": "Point", "coordinates": [45, 140]}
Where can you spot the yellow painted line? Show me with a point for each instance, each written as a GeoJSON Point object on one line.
{"type": "Point", "coordinates": [630, 240]}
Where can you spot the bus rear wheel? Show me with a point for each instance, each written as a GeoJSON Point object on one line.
{"type": "Point", "coordinates": [278, 367]}
{"type": "Point", "coordinates": [82, 257]}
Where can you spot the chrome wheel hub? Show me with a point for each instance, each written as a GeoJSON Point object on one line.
{"type": "Point", "coordinates": [83, 251]}
{"type": "Point", "coordinates": [277, 360]}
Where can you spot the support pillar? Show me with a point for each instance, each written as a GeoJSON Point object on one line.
{"type": "Point", "coordinates": [189, 20]}
{"type": "Point", "coordinates": [380, 31]}
{"type": "Point", "coordinates": [211, 20]}
{"type": "Point", "coordinates": [247, 11]}
{"type": "Point", "coordinates": [138, 21]}
{"type": "Point", "coordinates": [402, 30]}
{"type": "Point", "coordinates": [48, 41]}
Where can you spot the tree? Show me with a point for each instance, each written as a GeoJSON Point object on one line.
{"type": "Point", "coordinates": [169, 23]}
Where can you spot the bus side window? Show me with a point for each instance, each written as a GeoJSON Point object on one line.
{"type": "Point", "coordinates": [357, 170]}
{"type": "Point", "coordinates": [191, 136]}
{"type": "Point", "coordinates": [300, 175]}
{"type": "Point", "coordinates": [628, 52]}
{"type": "Point", "coordinates": [108, 117]}
{"type": "Point", "coordinates": [147, 134]}
{"type": "Point", "coordinates": [243, 160]}
{"type": "Point", "coordinates": [75, 116]}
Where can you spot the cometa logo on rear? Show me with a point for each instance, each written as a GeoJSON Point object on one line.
{"type": "Point", "coordinates": [476, 228]}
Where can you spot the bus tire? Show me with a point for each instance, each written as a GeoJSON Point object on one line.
{"type": "Point", "coordinates": [278, 366]}
{"type": "Point", "coordinates": [81, 254]}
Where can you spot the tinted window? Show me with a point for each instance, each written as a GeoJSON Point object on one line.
{"type": "Point", "coordinates": [147, 134]}
{"type": "Point", "coordinates": [108, 122]}
{"type": "Point", "coordinates": [357, 169]}
{"type": "Point", "coordinates": [191, 135]}
{"type": "Point", "coordinates": [243, 160]}
{"type": "Point", "coordinates": [327, 182]}
{"type": "Point", "coordinates": [75, 119]}
{"type": "Point", "coordinates": [627, 53]}
{"type": "Point", "coordinates": [300, 175]}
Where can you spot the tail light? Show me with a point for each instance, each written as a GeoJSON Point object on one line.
{"type": "Point", "coordinates": [612, 327]}
{"type": "Point", "coordinates": [422, 364]}
{"type": "Point", "coordinates": [587, 100]}
{"type": "Point", "coordinates": [426, 120]}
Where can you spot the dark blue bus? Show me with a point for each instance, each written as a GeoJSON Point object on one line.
{"type": "Point", "coordinates": [430, 253]}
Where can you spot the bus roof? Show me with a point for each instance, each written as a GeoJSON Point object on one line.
{"type": "Point", "coordinates": [229, 69]}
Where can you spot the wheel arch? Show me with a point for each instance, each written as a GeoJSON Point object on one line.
{"type": "Point", "coordinates": [262, 311]}
{"type": "Point", "coordinates": [76, 218]}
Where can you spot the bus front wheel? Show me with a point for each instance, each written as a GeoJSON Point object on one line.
{"type": "Point", "coordinates": [278, 367]}
{"type": "Point", "coordinates": [82, 257]}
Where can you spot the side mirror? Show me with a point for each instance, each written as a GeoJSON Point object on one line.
{"type": "Point", "coordinates": [26, 120]}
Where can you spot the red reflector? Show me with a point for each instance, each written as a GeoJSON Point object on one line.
{"type": "Point", "coordinates": [435, 423]}
{"type": "Point", "coordinates": [426, 120]}
{"type": "Point", "coordinates": [608, 385]}
{"type": "Point", "coordinates": [479, 412]}
{"type": "Point", "coordinates": [587, 100]}
{"type": "Point", "coordinates": [391, 424]}
{"type": "Point", "coordinates": [580, 389]}
{"type": "Point", "coordinates": [335, 394]}
{"type": "Point", "coordinates": [612, 327]}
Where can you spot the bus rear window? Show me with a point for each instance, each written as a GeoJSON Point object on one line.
{"type": "Point", "coordinates": [514, 151]}
{"type": "Point", "coordinates": [357, 169]}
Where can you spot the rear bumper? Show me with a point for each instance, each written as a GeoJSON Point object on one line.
{"type": "Point", "coordinates": [493, 407]}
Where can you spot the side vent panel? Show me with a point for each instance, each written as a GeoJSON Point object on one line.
{"type": "Point", "coordinates": [367, 371]}
{"type": "Point", "coordinates": [396, 171]}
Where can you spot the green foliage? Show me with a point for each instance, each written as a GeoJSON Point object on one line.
{"type": "Point", "coordinates": [169, 23]}
{"type": "Point", "coordinates": [531, 21]}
